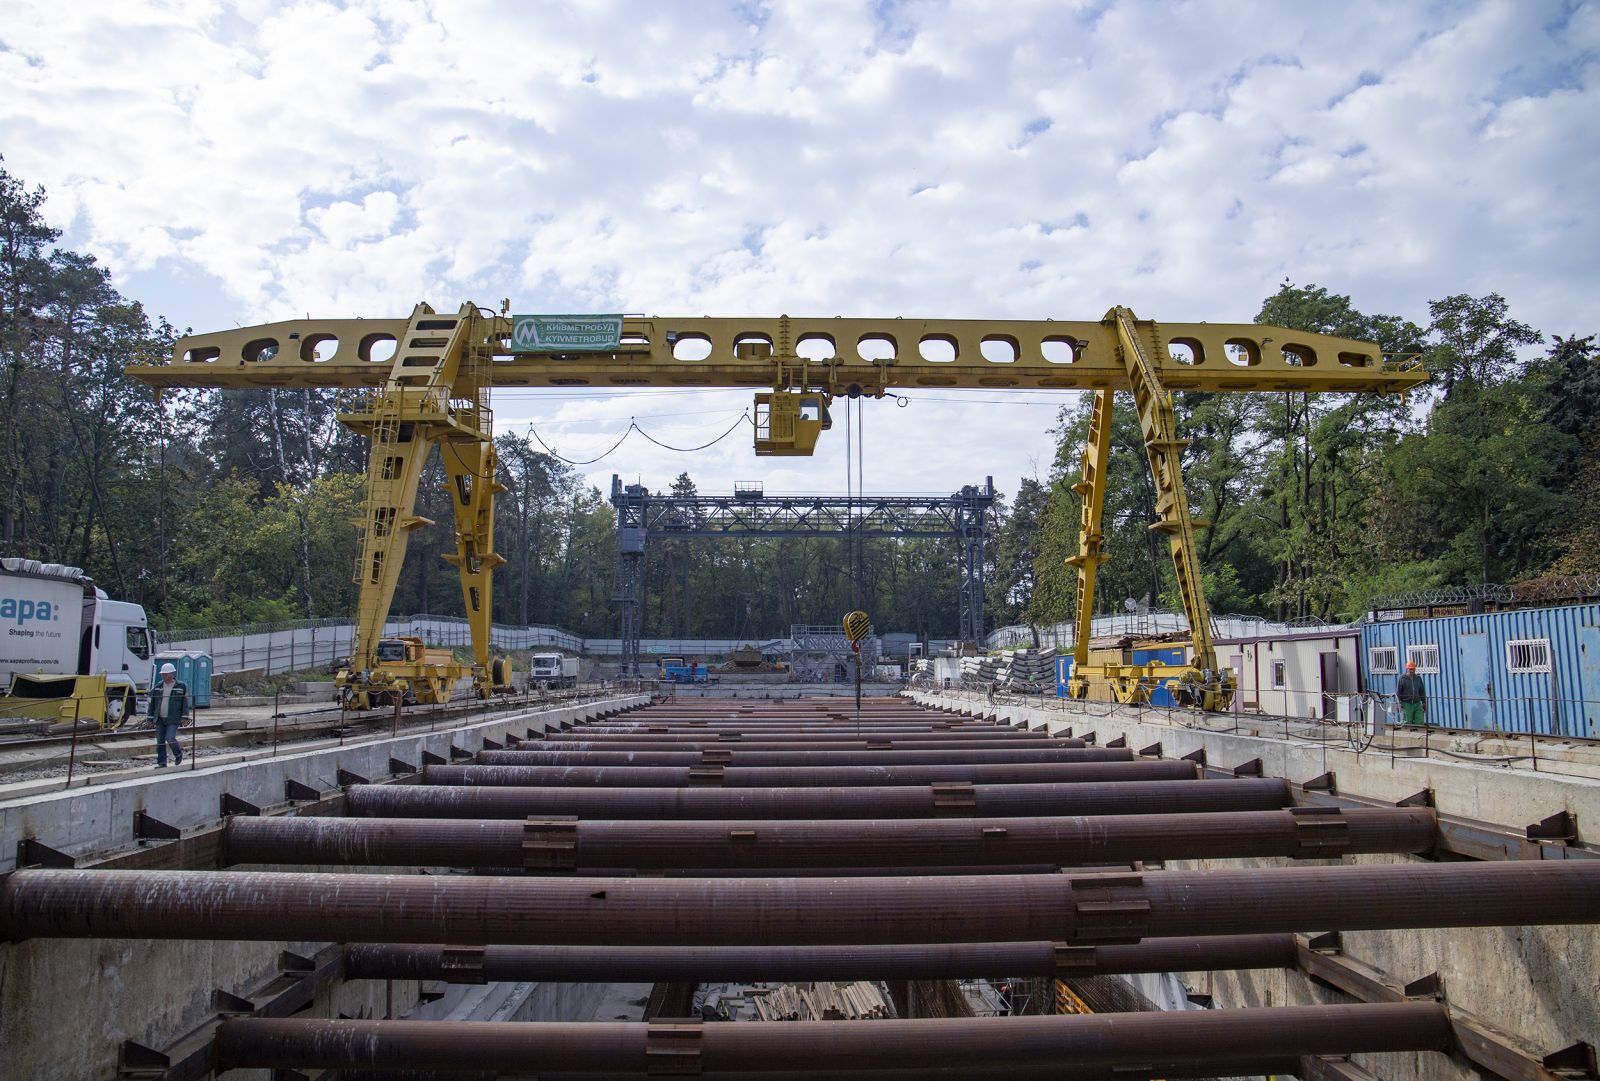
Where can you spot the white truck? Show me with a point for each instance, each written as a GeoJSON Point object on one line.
{"type": "Point", "coordinates": [553, 670]}
{"type": "Point", "coordinates": [55, 622]}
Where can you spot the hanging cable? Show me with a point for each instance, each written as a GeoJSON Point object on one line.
{"type": "Point", "coordinates": [634, 427]}
{"type": "Point", "coordinates": [571, 461]}
{"type": "Point", "coordinates": [861, 484]}
{"type": "Point", "coordinates": [743, 418]}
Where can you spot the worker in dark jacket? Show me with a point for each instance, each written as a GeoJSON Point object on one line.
{"type": "Point", "coordinates": [169, 703]}
{"type": "Point", "coordinates": [1413, 696]}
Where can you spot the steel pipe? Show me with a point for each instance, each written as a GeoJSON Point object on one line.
{"type": "Point", "coordinates": [826, 1046]}
{"type": "Point", "coordinates": [565, 844]}
{"type": "Point", "coordinates": [810, 776]}
{"type": "Point", "coordinates": [761, 742]}
{"type": "Point", "coordinates": [733, 754]}
{"type": "Point", "coordinates": [1205, 1068]}
{"type": "Point", "coordinates": [700, 964]}
{"type": "Point", "coordinates": [1079, 909]}
{"type": "Point", "coordinates": [901, 801]}
{"type": "Point", "coordinates": [959, 737]}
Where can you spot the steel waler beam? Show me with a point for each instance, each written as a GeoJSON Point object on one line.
{"type": "Point", "coordinates": [900, 801]}
{"type": "Point", "coordinates": [809, 776]}
{"type": "Point", "coordinates": [700, 964]}
{"type": "Point", "coordinates": [561, 844]}
{"type": "Point", "coordinates": [1080, 909]}
{"type": "Point", "coordinates": [1154, 1038]}
{"type": "Point", "coordinates": [734, 755]}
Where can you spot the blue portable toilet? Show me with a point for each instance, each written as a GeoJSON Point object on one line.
{"type": "Point", "coordinates": [194, 672]}
{"type": "Point", "coordinates": [1063, 674]}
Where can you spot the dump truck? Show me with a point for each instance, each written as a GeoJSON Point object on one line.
{"type": "Point", "coordinates": [553, 670]}
{"type": "Point", "coordinates": [67, 649]}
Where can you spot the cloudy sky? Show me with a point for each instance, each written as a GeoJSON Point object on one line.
{"type": "Point", "coordinates": [236, 163]}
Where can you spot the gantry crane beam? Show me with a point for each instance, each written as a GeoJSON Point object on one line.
{"type": "Point", "coordinates": [1040, 354]}
{"type": "Point", "coordinates": [429, 376]}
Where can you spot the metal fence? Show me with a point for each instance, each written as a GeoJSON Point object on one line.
{"type": "Point", "coordinates": [274, 648]}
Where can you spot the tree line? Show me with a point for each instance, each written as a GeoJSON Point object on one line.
{"type": "Point", "coordinates": [1321, 503]}
{"type": "Point", "coordinates": [226, 507]}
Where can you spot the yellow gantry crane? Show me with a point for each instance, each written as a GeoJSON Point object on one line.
{"type": "Point", "coordinates": [411, 384]}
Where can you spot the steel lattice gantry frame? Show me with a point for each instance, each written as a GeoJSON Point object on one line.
{"type": "Point", "coordinates": [643, 514]}
{"type": "Point", "coordinates": [432, 389]}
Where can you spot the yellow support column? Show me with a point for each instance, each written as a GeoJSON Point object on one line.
{"type": "Point", "coordinates": [470, 472]}
{"type": "Point", "coordinates": [435, 393]}
{"type": "Point", "coordinates": [1092, 489]}
{"type": "Point", "coordinates": [1200, 684]}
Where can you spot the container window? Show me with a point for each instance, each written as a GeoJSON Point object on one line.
{"type": "Point", "coordinates": [1528, 655]}
{"type": "Point", "coordinates": [1280, 678]}
{"type": "Point", "coordinates": [1383, 660]}
{"type": "Point", "coordinates": [1427, 658]}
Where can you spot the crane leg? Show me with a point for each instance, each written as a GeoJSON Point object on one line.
{"type": "Point", "coordinates": [1092, 489]}
{"type": "Point", "coordinates": [1200, 683]}
{"type": "Point", "coordinates": [470, 477]}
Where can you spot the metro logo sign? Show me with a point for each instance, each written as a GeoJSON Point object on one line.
{"type": "Point", "coordinates": [566, 333]}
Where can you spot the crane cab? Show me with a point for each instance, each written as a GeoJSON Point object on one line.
{"type": "Point", "coordinates": [788, 422]}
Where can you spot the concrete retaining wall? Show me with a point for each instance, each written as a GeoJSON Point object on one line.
{"type": "Point", "coordinates": [67, 1005]}
{"type": "Point", "coordinates": [1539, 984]}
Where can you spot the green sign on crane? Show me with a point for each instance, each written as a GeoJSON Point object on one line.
{"type": "Point", "coordinates": [566, 333]}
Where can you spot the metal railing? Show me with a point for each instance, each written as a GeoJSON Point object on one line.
{"type": "Point", "coordinates": [1367, 713]}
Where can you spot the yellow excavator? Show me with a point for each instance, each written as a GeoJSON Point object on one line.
{"type": "Point", "coordinates": [413, 383]}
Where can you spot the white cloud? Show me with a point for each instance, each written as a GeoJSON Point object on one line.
{"type": "Point", "coordinates": [1017, 159]}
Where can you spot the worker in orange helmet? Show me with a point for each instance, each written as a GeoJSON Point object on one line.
{"type": "Point", "coordinates": [1413, 696]}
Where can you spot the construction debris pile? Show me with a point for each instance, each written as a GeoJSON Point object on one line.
{"type": "Point", "coordinates": [857, 1001]}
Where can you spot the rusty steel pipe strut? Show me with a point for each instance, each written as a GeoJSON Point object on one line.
{"type": "Point", "coordinates": [1081, 909]}
{"type": "Point", "coordinates": [734, 755]}
{"type": "Point", "coordinates": [825, 1046]}
{"type": "Point", "coordinates": [832, 731]}
{"type": "Point", "coordinates": [668, 734]}
{"type": "Point", "coordinates": [762, 742]}
{"type": "Point", "coordinates": [810, 776]}
{"type": "Point", "coordinates": [569, 845]}
{"type": "Point", "coordinates": [1205, 1068]}
{"type": "Point", "coordinates": [900, 801]}
{"type": "Point", "coordinates": [915, 961]}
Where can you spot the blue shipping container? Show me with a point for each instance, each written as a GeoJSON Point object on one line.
{"type": "Point", "coordinates": [1531, 670]}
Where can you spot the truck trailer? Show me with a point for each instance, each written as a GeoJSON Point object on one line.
{"type": "Point", "coordinates": [56, 624]}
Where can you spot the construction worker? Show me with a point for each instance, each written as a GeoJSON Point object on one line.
{"type": "Point", "coordinates": [169, 702]}
{"type": "Point", "coordinates": [1413, 696]}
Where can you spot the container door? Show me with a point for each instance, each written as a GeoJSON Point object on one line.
{"type": "Point", "coordinates": [1328, 681]}
{"type": "Point", "coordinates": [1588, 720]}
{"type": "Point", "coordinates": [1478, 708]}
